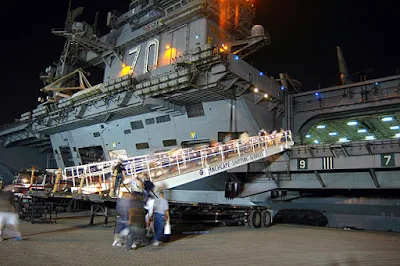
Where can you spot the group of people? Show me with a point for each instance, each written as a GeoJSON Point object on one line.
{"type": "Point", "coordinates": [140, 217]}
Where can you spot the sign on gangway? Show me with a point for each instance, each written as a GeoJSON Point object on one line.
{"type": "Point", "coordinates": [236, 162]}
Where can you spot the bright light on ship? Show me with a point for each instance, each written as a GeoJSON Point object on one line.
{"type": "Point", "coordinates": [333, 133]}
{"type": "Point", "coordinates": [362, 130]}
{"type": "Point", "coordinates": [370, 137]}
{"type": "Point", "coordinates": [308, 136]}
{"type": "Point", "coordinates": [397, 135]}
{"type": "Point", "coordinates": [321, 126]}
{"type": "Point", "coordinates": [343, 140]}
{"type": "Point", "coordinates": [352, 123]}
{"type": "Point", "coordinates": [387, 119]}
{"type": "Point", "coordinates": [256, 90]}
{"type": "Point", "coordinates": [265, 95]}
{"type": "Point", "coordinates": [316, 141]}
{"type": "Point", "coordinates": [395, 127]}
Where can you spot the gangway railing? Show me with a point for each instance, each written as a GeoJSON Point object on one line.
{"type": "Point", "coordinates": [178, 166]}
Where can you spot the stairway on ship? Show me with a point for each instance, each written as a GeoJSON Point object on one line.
{"type": "Point", "coordinates": [177, 167]}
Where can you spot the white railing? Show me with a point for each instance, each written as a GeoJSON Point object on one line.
{"type": "Point", "coordinates": [173, 163]}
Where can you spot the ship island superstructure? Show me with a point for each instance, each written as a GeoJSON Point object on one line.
{"type": "Point", "coordinates": [174, 76]}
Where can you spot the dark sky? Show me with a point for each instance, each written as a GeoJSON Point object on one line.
{"type": "Point", "coordinates": [304, 35]}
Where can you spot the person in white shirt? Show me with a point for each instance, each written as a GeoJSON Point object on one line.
{"type": "Point", "coordinates": [160, 216]}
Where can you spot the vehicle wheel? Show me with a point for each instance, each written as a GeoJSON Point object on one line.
{"type": "Point", "coordinates": [255, 220]}
{"type": "Point", "coordinates": [266, 218]}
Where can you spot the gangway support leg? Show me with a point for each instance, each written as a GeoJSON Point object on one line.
{"type": "Point", "coordinates": [92, 213]}
{"type": "Point", "coordinates": [98, 209]}
{"type": "Point", "coordinates": [374, 178]}
{"type": "Point", "coordinates": [105, 216]}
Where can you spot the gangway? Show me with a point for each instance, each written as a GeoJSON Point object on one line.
{"type": "Point", "coordinates": [176, 167]}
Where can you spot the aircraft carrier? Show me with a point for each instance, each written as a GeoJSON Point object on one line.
{"type": "Point", "coordinates": [175, 76]}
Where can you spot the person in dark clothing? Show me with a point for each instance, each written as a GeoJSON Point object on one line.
{"type": "Point", "coordinates": [136, 220]}
{"type": "Point", "coordinates": [148, 186]}
{"type": "Point", "coordinates": [120, 168]}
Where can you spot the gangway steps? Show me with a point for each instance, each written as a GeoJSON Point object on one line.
{"type": "Point", "coordinates": [180, 166]}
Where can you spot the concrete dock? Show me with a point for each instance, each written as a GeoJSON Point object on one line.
{"type": "Point", "coordinates": [72, 242]}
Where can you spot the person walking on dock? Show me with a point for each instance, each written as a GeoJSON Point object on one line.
{"type": "Point", "coordinates": [160, 216]}
{"type": "Point", "coordinates": [8, 215]}
{"type": "Point", "coordinates": [136, 221]}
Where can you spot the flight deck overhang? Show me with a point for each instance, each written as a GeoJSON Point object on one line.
{"type": "Point", "coordinates": [199, 77]}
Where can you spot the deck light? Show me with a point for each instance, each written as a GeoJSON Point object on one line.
{"type": "Point", "coordinates": [370, 137]}
{"type": "Point", "coordinates": [333, 133]}
{"type": "Point", "coordinates": [387, 119]}
{"type": "Point", "coordinates": [352, 123]}
{"type": "Point", "coordinates": [362, 130]}
{"type": "Point", "coordinates": [395, 127]}
{"type": "Point", "coordinates": [321, 126]}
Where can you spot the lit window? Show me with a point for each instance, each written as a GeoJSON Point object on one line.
{"type": "Point", "coordinates": [142, 146]}
{"type": "Point", "coordinates": [169, 142]}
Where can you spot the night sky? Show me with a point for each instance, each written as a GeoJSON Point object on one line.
{"type": "Point", "coordinates": [304, 35]}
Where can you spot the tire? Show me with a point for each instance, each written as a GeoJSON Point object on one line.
{"type": "Point", "coordinates": [255, 219]}
{"type": "Point", "coordinates": [266, 218]}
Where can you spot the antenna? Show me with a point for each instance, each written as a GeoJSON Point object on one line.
{"type": "Point", "coordinates": [96, 19]}
{"type": "Point", "coordinates": [68, 19]}
{"type": "Point", "coordinates": [344, 74]}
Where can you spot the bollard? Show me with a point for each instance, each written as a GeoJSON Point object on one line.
{"type": "Point", "coordinates": [114, 177]}
{"type": "Point", "coordinates": [32, 178]}
{"type": "Point", "coordinates": [57, 183]}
